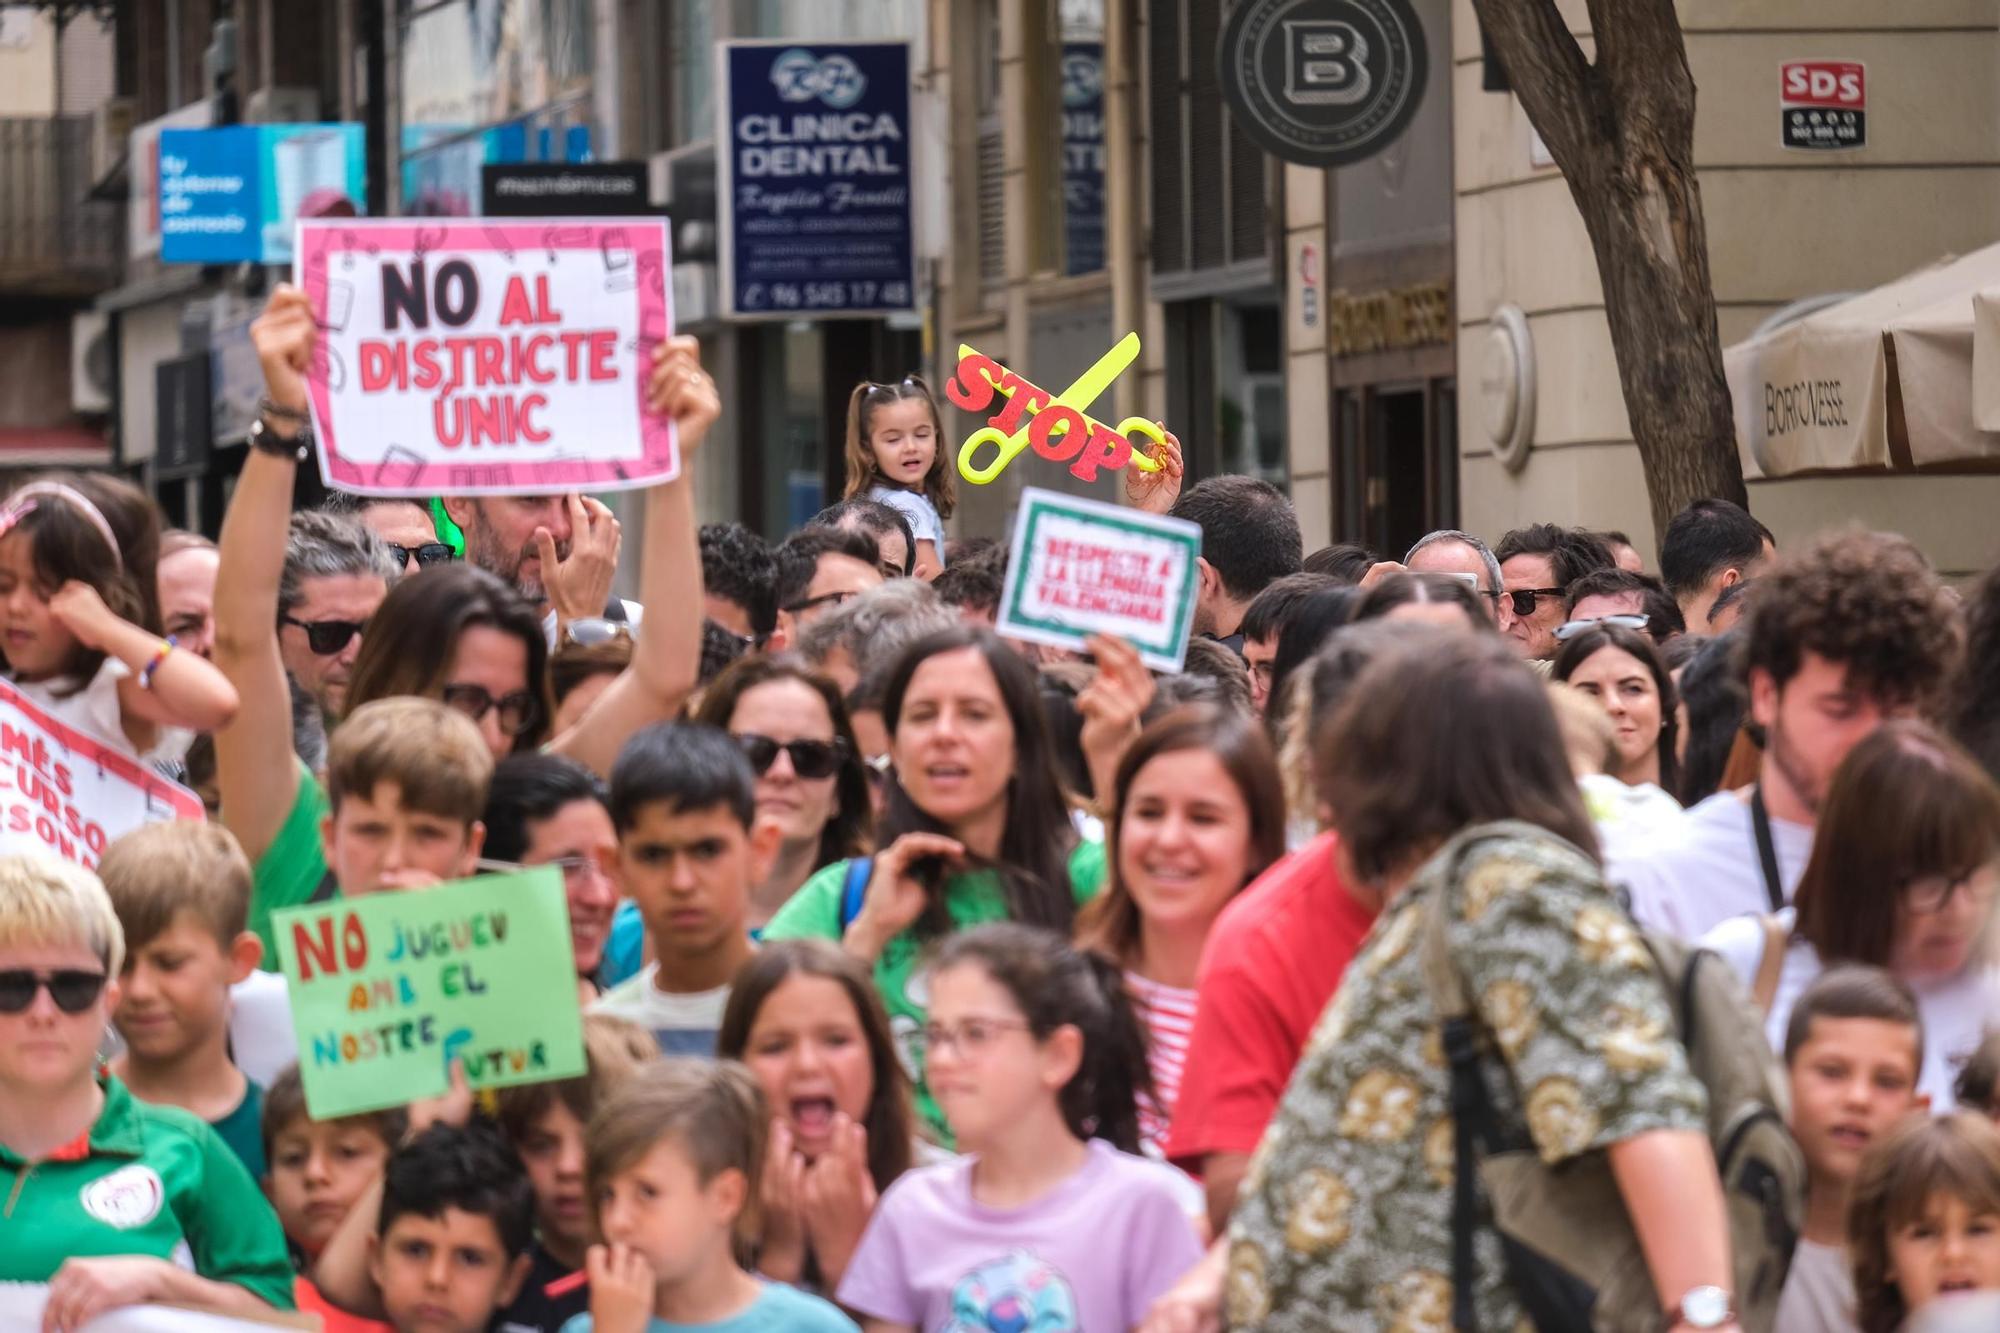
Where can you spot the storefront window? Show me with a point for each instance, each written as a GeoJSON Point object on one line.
{"type": "Point", "coordinates": [1250, 380]}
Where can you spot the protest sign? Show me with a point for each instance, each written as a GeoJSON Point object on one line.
{"type": "Point", "coordinates": [387, 989]}
{"type": "Point", "coordinates": [1055, 425]}
{"type": "Point", "coordinates": [1080, 568]}
{"type": "Point", "coordinates": [22, 1304]}
{"type": "Point", "coordinates": [487, 358]}
{"type": "Point", "coordinates": [66, 792]}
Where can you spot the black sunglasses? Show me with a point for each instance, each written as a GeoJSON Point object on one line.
{"type": "Point", "coordinates": [518, 711]}
{"type": "Point", "coordinates": [824, 599]}
{"type": "Point", "coordinates": [73, 989]}
{"type": "Point", "coordinates": [327, 637]}
{"type": "Point", "coordinates": [429, 553]}
{"type": "Point", "coordinates": [1524, 598]}
{"type": "Point", "coordinates": [810, 759]}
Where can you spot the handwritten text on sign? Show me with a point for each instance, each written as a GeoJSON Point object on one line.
{"type": "Point", "coordinates": [388, 989]}
{"type": "Point", "coordinates": [71, 794]}
{"type": "Point", "coordinates": [1082, 568]}
{"type": "Point", "coordinates": [487, 358]}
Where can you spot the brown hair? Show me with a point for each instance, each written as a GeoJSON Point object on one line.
{"type": "Point", "coordinates": [414, 634]}
{"type": "Point", "coordinates": [861, 470]}
{"type": "Point", "coordinates": [614, 1049]}
{"type": "Point", "coordinates": [1978, 1079]}
{"type": "Point", "coordinates": [714, 1111]}
{"type": "Point", "coordinates": [1854, 990]}
{"type": "Point", "coordinates": [285, 1104]}
{"type": "Point", "coordinates": [64, 544]}
{"type": "Point", "coordinates": [158, 870]}
{"type": "Point", "coordinates": [847, 833]}
{"type": "Point", "coordinates": [1866, 601]}
{"type": "Point", "coordinates": [434, 754]}
{"type": "Point", "coordinates": [1958, 1155]}
{"type": "Point", "coordinates": [888, 1120]}
{"type": "Point", "coordinates": [1586, 644]}
{"type": "Point", "coordinates": [1906, 803]}
{"type": "Point", "coordinates": [1437, 736]}
{"type": "Point", "coordinates": [1110, 922]}
{"type": "Point", "coordinates": [574, 663]}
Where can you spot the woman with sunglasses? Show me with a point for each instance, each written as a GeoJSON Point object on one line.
{"type": "Point", "coordinates": [793, 727]}
{"type": "Point", "coordinates": [108, 1200]}
{"type": "Point", "coordinates": [1620, 668]}
{"type": "Point", "coordinates": [975, 828]}
{"type": "Point", "coordinates": [1902, 876]}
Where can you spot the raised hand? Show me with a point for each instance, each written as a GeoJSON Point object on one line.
{"type": "Point", "coordinates": [581, 585]}
{"type": "Point", "coordinates": [896, 897]}
{"type": "Point", "coordinates": [839, 1198]}
{"type": "Point", "coordinates": [1155, 492]}
{"type": "Point", "coordinates": [284, 336]}
{"type": "Point", "coordinates": [681, 389]}
{"type": "Point", "coordinates": [83, 1289]}
{"type": "Point", "coordinates": [78, 609]}
{"type": "Point", "coordinates": [1111, 706]}
{"type": "Point", "coordinates": [622, 1289]}
{"type": "Point", "coordinates": [451, 1107]}
{"type": "Point", "coordinates": [782, 1255]}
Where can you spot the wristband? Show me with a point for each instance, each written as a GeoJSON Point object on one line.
{"type": "Point", "coordinates": [267, 408]}
{"type": "Point", "coordinates": [167, 645]}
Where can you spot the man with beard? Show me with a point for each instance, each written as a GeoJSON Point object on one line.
{"type": "Point", "coordinates": [561, 551]}
{"type": "Point", "coordinates": [334, 576]}
{"type": "Point", "coordinates": [1840, 637]}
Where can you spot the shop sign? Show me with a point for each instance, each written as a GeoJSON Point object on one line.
{"type": "Point", "coordinates": [1323, 83]}
{"type": "Point", "coordinates": [231, 195]}
{"type": "Point", "coordinates": [1823, 104]}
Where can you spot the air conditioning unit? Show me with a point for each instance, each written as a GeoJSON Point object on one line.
{"type": "Point", "coordinates": [91, 356]}
{"type": "Point", "coordinates": [282, 106]}
{"type": "Point", "coordinates": [110, 135]}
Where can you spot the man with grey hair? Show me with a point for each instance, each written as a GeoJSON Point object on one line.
{"type": "Point", "coordinates": [336, 573]}
{"type": "Point", "coordinates": [1449, 551]}
{"type": "Point", "coordinates": [867, 632]}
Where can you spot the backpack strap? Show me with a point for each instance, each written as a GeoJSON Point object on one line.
{"type": "Point", "coordinates": [854, 889]}
{"type": "Point", "coordinates": [1764, 988]}
{"type": "Point", "coordinates": [1767, 850]}
{"type": "Point", "coordinates": [1469, 1109]}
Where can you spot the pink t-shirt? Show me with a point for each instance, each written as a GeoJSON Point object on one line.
{"type": "Point", "coordinates": [1168, 1013]}
{"type": "Point", "coordinates": [936, 1258]}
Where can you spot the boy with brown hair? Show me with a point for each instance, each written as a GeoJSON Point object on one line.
{"type": "Point", "coordinates": [406, 783]}
{"type": "Point", "coordinates": [181, 891]}
{"type": "Point", "coordinates": [1853, 1050]}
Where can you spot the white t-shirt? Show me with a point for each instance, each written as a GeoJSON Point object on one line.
{"type": "Point", "coordinates": [1819, 1291]}
{"type": "Point", "coordinates": [683, 1024]}
{"type": "Point", "coordinates": [1955, 1010]}
{"type": "Point", "coordinates": [261, 1037]}
{"type": "Point", "coordinates": [925, 524]}
{"type": "Point", "coordinates": [1703, 867]}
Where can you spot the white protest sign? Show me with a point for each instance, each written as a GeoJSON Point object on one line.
{"type": "Point", "coordinates": [66, 792]}
{"type": "Point", "coordinates": [487, 358]}
{"type": "Point", "coordinates": [1081, 567]}
{"type": "Point", "coordinates": [21, 1308]}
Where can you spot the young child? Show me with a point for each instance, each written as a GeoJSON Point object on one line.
{"type": "Point", "coordinates": [181, 891]}
{"type": "Point", "coordinates": [317, 1170]}
{"type": "Point", "coordinates": [406, 782]}
{"type": "Point", "coordinates": [672, 1160]}
{"type": "Point", "coordinates": [683, 800]}
{"type": "Point", "coordinates": [81, 614]}
{"type": "Point", "coordinates": [451, 1245]}
{"type": "Point", "coordinates": [1925, 1218]}
{"type": "Point", "coordinates": [1037, 1058]}
{"type": "Point", "coordinates": [1853, 1050]}
{"type": "Point", "coordinates": [896, 454]}
{"type": "Point", "coordinates": [545, 1124]}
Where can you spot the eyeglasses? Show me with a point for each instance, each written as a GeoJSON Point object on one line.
{"type": "Point", "coordinates": [972, 1038]}
{"type": "Point", "coordinates": [589, 631]}
{"type": "Point", "coordinates": [1933, 893]}
{"type": "Point", "coordinates": [1569, 629]}
{"type": "Point", "coordinates": [1524, 598]}
{"type": "Point", "coordinates": [426, 553]}
{"type": "Point", "coordinates": [327, 637]}
{"type": "Point", "coordinates": [73, 990]}
{"type": "Point", "coordinates": [810, 759]}
{"type": "Point", "coordinates": [824, 599]}
{"type": "Point", "coordinates": [518, 711]}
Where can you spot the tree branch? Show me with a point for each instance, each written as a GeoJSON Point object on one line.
{"type": "Point", "coordinates": [1548, 72]}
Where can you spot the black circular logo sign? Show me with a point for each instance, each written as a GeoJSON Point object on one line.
{"type": "Point", "coordinates": [1323, 82]}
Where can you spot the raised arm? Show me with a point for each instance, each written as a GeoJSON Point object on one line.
{"type": "Point", "coordinates": [255, 769]}
{"type": "Point", "coordinates": [666, 659]}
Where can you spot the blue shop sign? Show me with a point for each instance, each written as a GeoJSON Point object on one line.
{"type": "Point", "coordinates": [1083, 155]}
{"type": "Point", "coordinates": [814, 200]}
{"type": "Point", "coordinates": [232, 194]}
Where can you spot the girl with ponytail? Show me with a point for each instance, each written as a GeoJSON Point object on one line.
{"type": "Point", "coordinates": [896, 455]}
{"type": "Point", "coordinates": [1038, 1060]}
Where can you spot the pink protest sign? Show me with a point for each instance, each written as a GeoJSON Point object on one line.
{"type": "Point", "coordinates": [486, 358]}
{"type": "Point", "coordinates": [68, 793]}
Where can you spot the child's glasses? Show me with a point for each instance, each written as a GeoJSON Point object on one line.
{"type": "Point", "coordinates": [971, 1038]}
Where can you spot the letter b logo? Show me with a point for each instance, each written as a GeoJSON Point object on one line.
{"type": "Point", "coordinates": [1326, 63]}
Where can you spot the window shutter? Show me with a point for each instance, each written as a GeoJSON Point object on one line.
{"type": "Point", "coordinates": [1211, 183]}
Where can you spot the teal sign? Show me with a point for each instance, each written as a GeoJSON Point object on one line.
{"type": "Point", "coordinates": [232, 194]}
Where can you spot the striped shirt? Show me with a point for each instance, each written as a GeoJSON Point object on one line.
{"type": "Point", "coordinates": [1168, 1012]}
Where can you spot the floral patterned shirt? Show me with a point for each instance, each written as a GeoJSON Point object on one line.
{"type": "Point", "coordinates": [1345, 1219]}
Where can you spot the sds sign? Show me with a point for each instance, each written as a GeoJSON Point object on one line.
{"type": "Point", "coordinates": [1823, 104]}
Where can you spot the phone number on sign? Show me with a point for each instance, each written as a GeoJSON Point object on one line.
{"type": "Point", "coordinates": [825, 295]}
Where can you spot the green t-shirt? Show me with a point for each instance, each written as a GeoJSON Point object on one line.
{"type": "Point", "coordinates": [971, 899]}
{"type": "Point", "coordinates": [153, 1181]}
{"type": "Point", "coordinates": [243, 1129]}
{"type": "Point", "coordinates": [292, 868]}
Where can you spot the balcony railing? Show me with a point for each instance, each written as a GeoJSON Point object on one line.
{"type": "Point", "coordinates": [54, 241]}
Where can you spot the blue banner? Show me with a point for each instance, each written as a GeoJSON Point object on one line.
{"type": "Point", "coordinates": [814, 200]}
{"type": "Point", "coordinates": [1083, 155]}
{"type": "Point", "coordinates": [232, 194]}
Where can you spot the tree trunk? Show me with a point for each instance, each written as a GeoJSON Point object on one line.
{"type": "Point", "coordinates": [1622, 131]}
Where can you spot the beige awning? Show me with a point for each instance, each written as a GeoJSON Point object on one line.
{"type": "Point", "coordinates": [1883, 381]}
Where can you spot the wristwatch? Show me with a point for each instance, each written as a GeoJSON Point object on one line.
{"type": "Point", "coordinates": [267, 441]}
{"type": "Point", "coordinates": [1702, 1307]}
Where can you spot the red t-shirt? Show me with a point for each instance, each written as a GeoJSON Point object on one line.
{"type": "Point", "coordinates": [1272, 961]}
{"type": "Point", "coordinates": [332, 1318]}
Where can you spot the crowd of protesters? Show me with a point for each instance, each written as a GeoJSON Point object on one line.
{"type": "Point", "coordinates": [1348, 978]}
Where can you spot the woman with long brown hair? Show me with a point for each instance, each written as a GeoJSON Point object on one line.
{"type": "Point", "coordinates": [1197, 813]}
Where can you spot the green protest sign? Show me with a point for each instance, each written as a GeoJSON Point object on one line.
{"type": "Point", "coordinates": [387, 989]}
